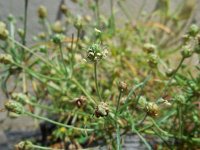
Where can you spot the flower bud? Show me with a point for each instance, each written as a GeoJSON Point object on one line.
{"type": "Point", "coordinates": [170, 72]}
{"type": "Point", "coordinates": [64, 9]}
{"type": "Point", "coordinates": [3, 31]}
{"type": "Point", "coordinates": [20, 32]}
{"type": "Point", "coordinates": [149, 48]}
{"type": "Point", "coordinates": [152, 109]}
{"type": "Point", "coordinates": [24, 145]}
{"type": "Point", "coordinates": [57, 38]}
{"type": "Point", "coordinates": [193, 30]}
{"type": "Point", "coordinates": [42, 12]}
{"type": "Point", "coordinates": [96, 53]}
{"type": "Point", "coordinates": [6, 59]}
{"type": "Point", "coordinates": [43, 49]}
{"type": "Point", "coordinates": [142, 101]}
{"type": "Point", "coordinates": [14, 106]}
{"type": "Point", "coordinates": [80, 102]}
{"type": "Point", "coordinates": [153, 60]}
{"type": "Point", "coordinates": [42, 35]}
{"type": "Point", "coordinates": [78, 23]}
{"type": "Point", "coordinates": [122, 86]}
{"type": "Point", "coordinates": [102, 110]}
{"type": "Point", "coordinates": [186, 52]}
{"type": "Point", "coordinates": [20, 97]}
{"type": "Point", "coordinates": [57, 27]}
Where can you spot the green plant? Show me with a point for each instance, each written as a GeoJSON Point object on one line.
{"type": "Point", "coordinates": [125, 85]}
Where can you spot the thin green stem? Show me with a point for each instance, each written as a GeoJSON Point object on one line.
{"type": "Point", "coordinates": [44, 148]}
{"type": "Point", "coordinates": [25, 22]}
{"type": "Point", "coordinates": [166, 143]}
{"type": "Point", "coordinates": [124, 10]}
{"type": "Point", "coordinates": [141, 137]}
{"type": "Point", "coordinates": [112, 18]}
{"type": "Point", "coordinates": [62, 59]}
{"type": "Point", "coordinates": [96, 81]}
{"type": "Point", "coordinates": [117, 125]}
{"type": "Point", "coordinates": [169, 135]}
{"type": "Point", "coordinates": [180, 121]}
{"type": "Point", "coordinates": [118, 101]}
{"type": "Point", "coordinates": [32, 52]}
{"type": "Point", "coordinates": [172, 77]}
{"type": "Point", "coordinates": [155, 124]}
{"type": "Point", "coordinates": [56, 123]}
{"type": "Point", "coordinates": [118, 138]}
{"type": "Point", "coordinates": [83, 90]}
{"type": "Point", "coordinates": [97, 12]}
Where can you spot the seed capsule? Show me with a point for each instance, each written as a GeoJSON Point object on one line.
{"type": "Point", "coordinates": [42, 12]}
{"type": "Point", "coordinates": [24, 145]}
{"type": "Point", "coordinates": [152, 109]}
{"type": "Point", "coordinates": [193, 30]}
{"type": "Point", "coordinates": [3, 31]}
{"type": "Point", "coordinates": [64, 9]}
{"type": "Point", "coordinates": [6, 59]}
{"type": "Point", "coordinates": [80, 102]}
{"type": "Point", "coordinates": [20, 97]}
{"type": "Point", "coordinates": [149, 48]}
{"type": "Point", "coordinates": [102, 110]}
{"type": "Point", "coordinates": [186, 52]}
{"type": "Point", "coordinates": [153, 60]}
{"type": "Point", "coordinates": [57, 27]}
{"type": "Point", "coordinates": [122, 86]}
{"type": "Point", "coordinates": [14, 106]}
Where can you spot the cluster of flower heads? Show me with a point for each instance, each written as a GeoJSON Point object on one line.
{"type": "Point", "coordinates": [96, 52]}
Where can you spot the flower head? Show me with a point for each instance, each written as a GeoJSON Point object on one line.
{"type": "Point", "coordinates": [96, 52]}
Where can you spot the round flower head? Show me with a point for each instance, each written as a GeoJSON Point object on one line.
{"type": "Point", "coordinates": [42, 12]}
{"type": "Point", "coordinates": [14, 106]}
{"type": "Point", "coordinates": [96, 52]}
{"type": "Point", "coordinates": [102, 110]}
{"type": "Point", "coordinates": [3, 31]}
{"type": "Point", "coordinates": [6, 59]}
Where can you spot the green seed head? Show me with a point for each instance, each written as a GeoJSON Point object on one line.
{"type": "Point", "coordinates": [42, 12]}
{"type": "Point", "coordinates": [57, 38]}
{"type": "Point", "coordinates": [149, 48]}
{"type": "Point", "coordinates": [122, 86]}
{"type": "Point", "coordinates": [20, 97]}
{"type": "Point", "coordinates": [96, 53]}
{"type": "Point", "coordinates": [102, 110]}
{"type": "Point", "coordinates": [186, 52]}
{"type": "Point", "coordinates": [57, 27]}
{"type": "Point", "coordinates": [24, 145]}
{"type": "Point", "coordinates": [153, 60]}
{"type": "Point", "coordinates": [78, 24]}
{"type": "Point", "coordinates": [152, 109]}
{"type": "Point", "coordinates": [64, 9]}
{"type": "Point", "coordinates": [20, 32]}
{"type": "Point", "coordinates": [15, 107]}
{"type": "Point", "coordinates": [3, 31]}
{"type": "Point", "coordinates": [6, 59]}
{"type": "Point", "coordinates": [193, 30]}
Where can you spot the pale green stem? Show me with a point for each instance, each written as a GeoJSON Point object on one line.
{"type": "Point", "coordinates": [56, 123]}
{"type": "Point", "coordinates": [96, 80]}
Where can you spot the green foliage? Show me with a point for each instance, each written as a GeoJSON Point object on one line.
{"type": "Point", "coordinates": [132, 89]}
